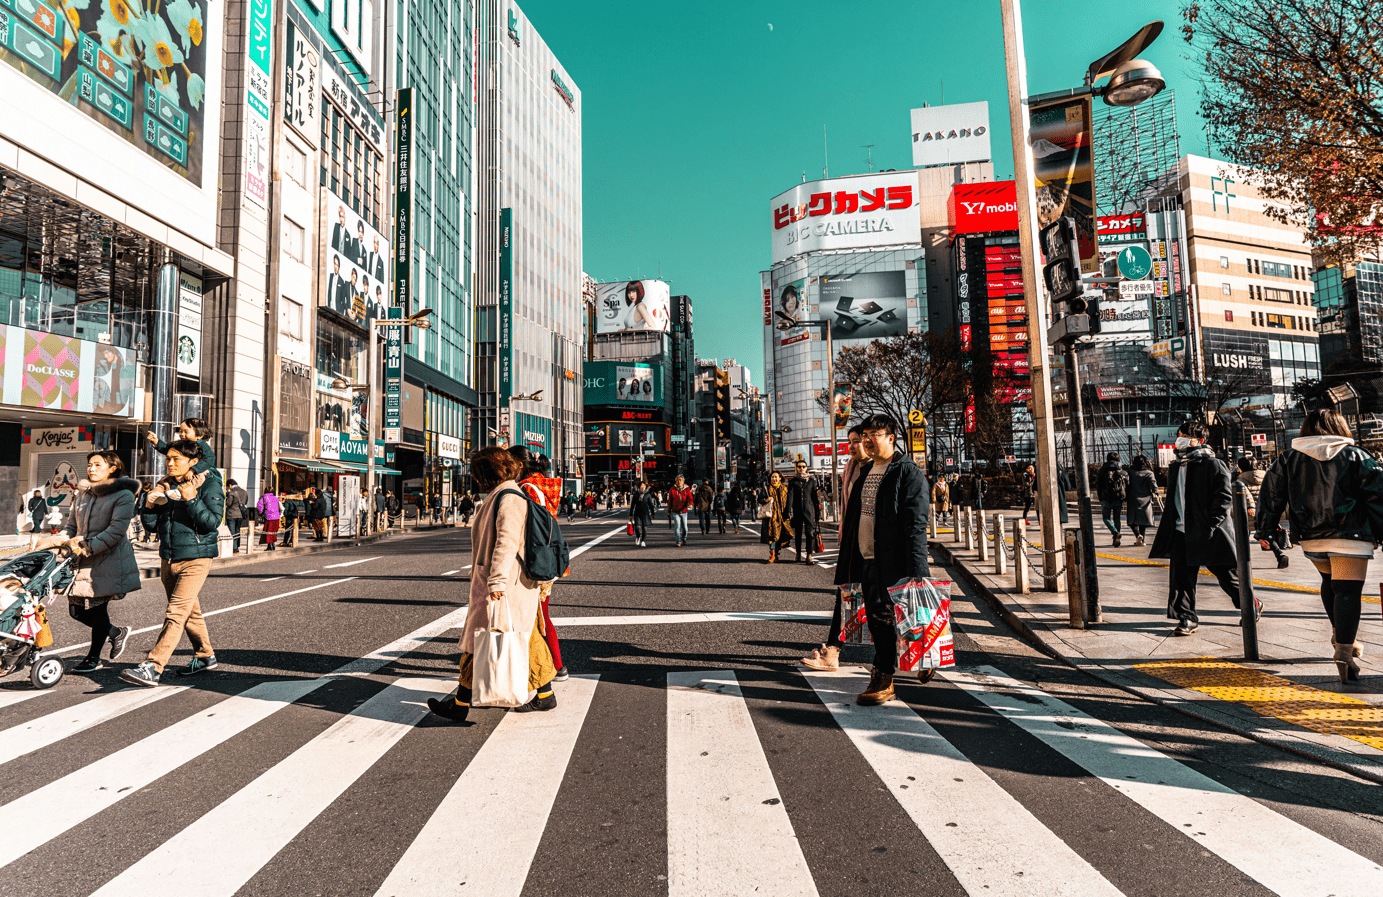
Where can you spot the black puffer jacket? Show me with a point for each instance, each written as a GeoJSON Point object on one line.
{"type": "Point", "coordinates": [1330, 489]}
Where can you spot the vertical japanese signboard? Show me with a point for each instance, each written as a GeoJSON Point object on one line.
{"type": "Point", "coordinates": [393, 379]}
{"type": "Point", "coordinates": [403, 201]}
{"type": "Point", "coordinates": [301, 86]}
{"type": "Point", "coordinates": [506, 306]}
{"type": "Point", "coordinates": [260, 48]}
{"type": "Point", "coordinates": [189, 351]}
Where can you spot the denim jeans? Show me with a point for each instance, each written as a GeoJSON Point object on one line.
{"type": "Point", "coordinates": [679, 527]}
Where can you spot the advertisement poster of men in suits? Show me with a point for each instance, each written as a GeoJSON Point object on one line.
{"type": "Point", "coordinates": [357, 263]}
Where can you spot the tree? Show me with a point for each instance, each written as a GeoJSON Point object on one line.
{"type": "Point", "coordinates": [896, 374]}
{"type": "Point", "coordinates": [1294, 89]}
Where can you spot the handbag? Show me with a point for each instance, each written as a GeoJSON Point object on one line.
{"type": "Point", "coordinates": [629, 529]}
{"type": "Point", "coordinates": [81, 582]}
{"type": "Point", "coordinates": [501, 664]}
{"type": "Point", "coordinates": [820, 544]}
{"type": "Point", "coordinates": [766, 510]}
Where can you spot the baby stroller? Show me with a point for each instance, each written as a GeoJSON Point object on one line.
{"type": "Point", "coordinates": [28, 584]}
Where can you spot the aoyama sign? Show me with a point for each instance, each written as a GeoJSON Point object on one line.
{"type": "Point", "coordinates": [949, 135]}
{"type": "Point", "coordinates": [846, 213]}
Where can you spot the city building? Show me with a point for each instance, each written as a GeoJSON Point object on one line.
{"type": "Point", "coordinates": [682, 385]}
{"type": "Point", "coordinates": [529, 294]}
{"type": "Point", "coordinates": [1349, 305]}
{"type": "Point", "coordinates": [847, 254]}
{"type": "Point", "coordinates": [132, 192]}
{"type": "Point", "coordinates": [632, 387]}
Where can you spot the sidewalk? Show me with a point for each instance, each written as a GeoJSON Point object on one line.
{"type": "Point", "coordinates": [1291, 697]}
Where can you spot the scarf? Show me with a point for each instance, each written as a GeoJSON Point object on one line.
{"type": "Point", "coordinates": [1186, 456]}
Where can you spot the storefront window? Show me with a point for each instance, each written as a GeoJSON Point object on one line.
{"type": "Point", "coordinates": [339, 351]}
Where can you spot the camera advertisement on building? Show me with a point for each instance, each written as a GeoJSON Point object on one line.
{"type": "Point", "coordinates": [950, 135]}
{"type": "Point", "coordinates": [632, 305]}
{"type": "Point", "coordinates": [864, 306]}
{"type": "Point", "coordinates": [867, 210]}
{"type": "Point", "coordinates": [357, 263]}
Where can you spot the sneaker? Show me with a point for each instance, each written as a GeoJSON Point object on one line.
{"type": "Point", "coordinates": [1283, 563]}
{"type": "Point", "coordinates": [117, 642]}
{"type": "Point", "coordinates": [562, 675]}
{"type": "Point", "coordinates": [545, 699]}
{"type": "Point", "coordinates": [1186, 627]}
{"type": "Point", "coordinates": [145, 674]}
{"type": "Point", "coordinates": [87, 665]}
{"type": "Point", "coordinates": [447, 708]}
{"type": "Point", "coordinates": [1117, 539]}
{"type": "Point", "coordinates": [1257, 610]}
{"type": "Point", "coordinates": [199, 665]}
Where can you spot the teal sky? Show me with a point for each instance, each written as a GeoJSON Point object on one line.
{"type": "Point", "coordinates": [697, 114]}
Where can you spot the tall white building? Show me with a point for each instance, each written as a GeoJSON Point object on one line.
{"type": "Point", "coordinates": [529, 280]}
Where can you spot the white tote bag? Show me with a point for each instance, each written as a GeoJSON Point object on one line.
{"type": "Point", "coordinates": [500, 672]}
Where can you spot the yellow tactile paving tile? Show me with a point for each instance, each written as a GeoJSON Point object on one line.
{"type": "Point", "coordinates": [1268, 695]}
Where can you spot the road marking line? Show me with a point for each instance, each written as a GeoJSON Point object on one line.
{"type": "Point", "coordinates": [39, 733]}
{"type": "Point", "coordinates": [738, 616]}
{"type": "Point", "coordinates": [1281, 855]}
{"type": "Point", "coordinates": [450, 572]}
{"type": "Point", "coordinates": [728, 832]}
{"type": "Point", "coordinates": [212, 613]}
{"type": "Point", "coordinates": [272, 579]}
{"type": "Point", "coordinates": [55, 808]}
{"type": "Point", "coordinates": [349, 563]}
{"type": "Point", "coordinates": [596, 541]}
{"type": "Point", "coordinates": [10, 698]}
{"type": "Point", "coordinates": [509, 788]}
{"type": "Point", "coordinates": [305, 572]}
{"type": "Point", "coordinates": [991, 842]}
{"type": "Point", "coordinates": [281, 802]}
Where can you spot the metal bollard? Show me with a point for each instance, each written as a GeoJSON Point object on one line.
{"type": "Point", "coordinates": [250, 541]}
{"type": "Point", "coordinates": [1000, 567]}
{"type": "Point", "coordinates": [1247, 618]}
{"type": "Point", "coordinates": [969, 529]}
{"type": "Point", "coordinates": [931, 520]}
{"type": "Point", "coordinates": [982, 538]}
{"type": "Point", "coordinates": [1074, 579]}
{"type": "Point", "coordinates": [1020, 559]}
{"type": "Point", "coordinates": [955, 527]}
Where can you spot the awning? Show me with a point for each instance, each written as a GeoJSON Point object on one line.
{"type": "Point", "coordinates": [317, 466]}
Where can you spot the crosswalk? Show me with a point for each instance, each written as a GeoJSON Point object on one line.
{"type": "Point", "coordinates": [939, 774]}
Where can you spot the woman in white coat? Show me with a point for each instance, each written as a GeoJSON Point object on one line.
{"type": "Point", "coordinates": [498, 579]}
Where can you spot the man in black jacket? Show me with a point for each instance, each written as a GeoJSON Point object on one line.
{"type": "Point", "coordinates": [1112, 487]}
{"type": "Point", "coordinates": [803, 500]}
{"type": "Point", "coordinates": [883, 542]}
{"type": "Point", "coordinates": [1196, 530]}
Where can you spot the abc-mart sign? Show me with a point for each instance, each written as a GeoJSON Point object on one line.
{"type": "Point", "coordinates": [846, 213]}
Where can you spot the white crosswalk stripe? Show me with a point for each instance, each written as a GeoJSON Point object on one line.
{"type": "Point", "coordinates": [728, 832]}
{"type": "Point", "coordinates": [730, 828]}
{"type": "Point", "coordinates": [1240, 830]}
{"type": "Point", "coordinates": [992, 843]}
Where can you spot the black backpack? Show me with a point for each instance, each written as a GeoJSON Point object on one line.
{"type": "Point", "coordinates": [1118, 484]}
{"type": "Point", "coordinates": [545, 556]}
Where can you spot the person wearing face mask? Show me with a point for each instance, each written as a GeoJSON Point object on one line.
{"type": "Point", "coordinates": [1196, 530]}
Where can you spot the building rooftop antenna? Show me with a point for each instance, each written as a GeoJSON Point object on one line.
{"type": "Point", "coordinates": [869, 147]}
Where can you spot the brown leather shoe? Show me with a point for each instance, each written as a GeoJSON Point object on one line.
{"type": "Point", "coordinates": [879, 690]}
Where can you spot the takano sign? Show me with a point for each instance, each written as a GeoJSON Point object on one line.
{"type": "Point", "coordinates": [846, 213]}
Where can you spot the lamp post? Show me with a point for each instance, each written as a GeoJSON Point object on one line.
{"type": "Point", "coordinates": [1131, 82]}
{"type": "Point", "coordinates": [787, 322]}
{"type": "Point", "coordinates": [418, 319]}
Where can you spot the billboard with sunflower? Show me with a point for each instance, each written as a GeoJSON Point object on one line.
{"type": "Point", "coordinates": [136, 66]}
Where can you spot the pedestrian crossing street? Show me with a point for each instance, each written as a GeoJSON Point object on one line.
{"type": "Point", "coordinates": [733, 783]}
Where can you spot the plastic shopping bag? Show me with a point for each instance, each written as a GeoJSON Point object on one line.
{"type": "Point", "coordinates": [629, 529]}
{"type": "Point", "coordinates": [854, 625]}
{"type": "Point", "coordinates": [501, 663]}
{"type": "Point", "coordinates": [922, 619]}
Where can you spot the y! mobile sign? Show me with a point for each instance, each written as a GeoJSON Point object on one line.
{"type": "Point", "coordinates": [846, 213]}
{"type": "Point", "coordinates": [983, 208]}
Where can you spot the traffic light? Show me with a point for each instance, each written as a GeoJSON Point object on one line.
{"type": "Point", "coordinates": [1061, 273]}
{"type": "Point", "coordinates": [723, 403]}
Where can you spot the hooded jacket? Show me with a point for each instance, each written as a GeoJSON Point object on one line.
{"type": "Point", "coordinates": [1330, 489]}
{"type": "Point", "coordinates": [187, 528]}
{"type": "Point", "coordinates": [101, 516]}
{"type": "Point", "coordinates": [901, 509]}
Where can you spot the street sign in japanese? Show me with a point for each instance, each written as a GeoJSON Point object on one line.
{"type": "Point", "coordinates": [1134, 262]}
{"type": "Point", "coordinates": [393, 379]}
{"type": "Point", "coordinates": [1259, 439]}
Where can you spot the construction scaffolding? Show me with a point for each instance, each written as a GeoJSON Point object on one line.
{"type": "Point", "coordinates": [1137, 149]}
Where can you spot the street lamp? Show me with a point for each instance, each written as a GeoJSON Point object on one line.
{"type": "Point", "coordinates": [418, 319]}
{"type": "Point", "coordinates": [1129, 84]}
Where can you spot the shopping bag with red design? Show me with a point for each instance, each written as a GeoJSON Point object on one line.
{"type": "Point", "coordinates": [922, 619]}
{"type": "Point", "coordinates": [854, 627]}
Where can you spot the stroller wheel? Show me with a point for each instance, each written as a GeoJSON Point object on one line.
{"type": "Point", "coordinates": [46, 673]}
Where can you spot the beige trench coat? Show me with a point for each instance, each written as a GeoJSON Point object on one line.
{"type": "Point", "coordinates": [497, 544]}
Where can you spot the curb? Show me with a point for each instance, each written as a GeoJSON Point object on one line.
{"type": "Point", "coordinates": [237, 560]}
{"type": "Point", "coordinates": [1243, 722]}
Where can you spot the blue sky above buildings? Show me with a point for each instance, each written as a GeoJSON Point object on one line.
{"type": "Point", "coordinates": [696, 115]}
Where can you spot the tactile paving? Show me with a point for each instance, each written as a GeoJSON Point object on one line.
{"type": "Point", "coordinates": [1311, 708]}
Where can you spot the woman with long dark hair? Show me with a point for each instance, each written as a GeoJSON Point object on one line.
{"type": "Point", "coordinates": [533, 479]}
{"type": "Point", "coordinates": [1332, 491]}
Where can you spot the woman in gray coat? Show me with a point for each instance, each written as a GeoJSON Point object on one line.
{"type": "Point", "coordinates": [97, 534]}
{"type": "Point", "coordinates": [1142, 486]}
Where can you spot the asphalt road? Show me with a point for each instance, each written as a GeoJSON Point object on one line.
{"type": "Point", "coordinates": [687, 756]}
